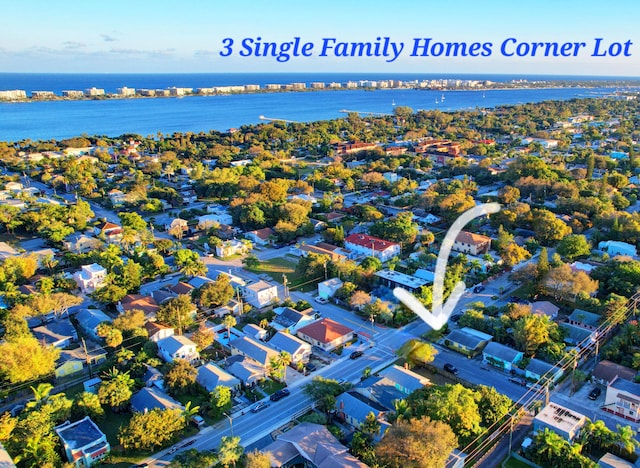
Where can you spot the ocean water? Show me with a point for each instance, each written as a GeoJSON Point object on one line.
{"type": "Point", "coordinates": [63, 119]}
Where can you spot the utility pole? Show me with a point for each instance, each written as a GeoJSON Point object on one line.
{"type": "Point", "coordinates": [84, 346]}
{"type": "Point", "coordinates": [284, 284]}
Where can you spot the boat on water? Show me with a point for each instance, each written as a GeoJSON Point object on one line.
{"type": "Point", "coordinates": [442, 97]}
{"type": "Point", "coordinates": [393, 102]}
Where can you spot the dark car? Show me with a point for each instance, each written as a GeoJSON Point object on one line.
{"type": "Point", "coordinates": [595, 393]}
{"type": "Point", "coordinates": [279, 394]}
{"type": "Point", "coordinates": [311, 367]}
{"type": "Point", "coordinates": [190, 443]}
{"type": "Point", "coordinates": [455, 317]}
{"type": "Point", "coordinates": [518, 380]}
{"type": "Point", "coordinates": [478, 289]}
{"type": "Point", "coordinates": [356, 354]}
{"type": "Point", "coordinates": [451, 368]}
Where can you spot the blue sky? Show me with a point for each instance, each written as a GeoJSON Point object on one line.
{"type": "Point", "coordinates": [169, 36]}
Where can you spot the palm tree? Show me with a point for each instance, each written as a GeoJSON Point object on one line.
{"type": "Point", "coordinates": [625, 439]}
{"type": "Point", "coordinates": [229, 322]}
{"type": "Point", "coordinates": [283, 359]}
{"type": "Point", "coordinates": [189, 412]}
{"type": "Point", "coordinates": [366, 373]}
{"type": "Point", "coordinates": [549, 445]}
{"type": "Point", "coordinates": [264, 323]}
{"type": "Point", "coordinates": [41, 394]}
{"type": "Point", "coordinates": [370, 426]}
{"type": "Point", "coordinates": [402, 410]}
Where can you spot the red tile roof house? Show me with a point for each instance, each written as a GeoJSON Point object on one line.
{"type": "Point", "coordinates": [372, 246]}
{"type": "Point", "coordinates": [111, 232]}
{"type": "Point", "coordinates": [474, 244]}
{"type": "Point", "coordinates": [326, 334]}
{"type": "Point", "coordinates": [261, 236]}
{"type": "Point", "coordinates": [146, 304]}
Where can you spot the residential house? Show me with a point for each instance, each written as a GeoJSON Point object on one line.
{"type": "Point", "coordinates": [311, 445]}
{"type": "Point", "coordinates": [214, 219]}
{"type": "Point", "coordinates": [391, 384]}
{"type": "Point", "coordinates": [335, 253]}
{"type": "Point", "coordinates": [606, 371]}
{"type": "Point", "coordinates": [252, 349]}
{"type": "Point", "coordinates": [353, 408]}
{"type": "Point", "coordinates": [231, 247]}
{"type": "Point", "coordinates": [469, 243]}
{"type": "Point", "coordinates": [326, 334]}
{"type": "Point", "coordinates": [290, 319]}
{"type": "Point", "coordinates": [501, 356]}
{"type": "Point", "coordinates": [255, 332]}
{"type": "Point", "coordinates": [394, 279]}
{"type": "Point", "coordinates": [232, 307]}
{"type": "Point", "coordinates": [60, 333]}
{"type": "Point", "coordinates": [146, 304]}
{"type": "Point", "coordinates": [89, 319]}
{"type": "Point", "coordinates": [404, 380]}
{"type": "Point", "coordinates": [75, 360]}
{"type": "Point", "coordinates": [83, 442]}
{"type": "Point", "coordinates": [177, 225]}
{"type": "Point", "coordinates": [623, 399]}
{"type": "Point", "coordinates": [90, 278]}
{"type": "Point", "coordinates": [246, 370]}
{"type": "Point", "coordinates": [153, 378]}
{"type": "Point", "coordinates": [149, 398]}
{"type": "Point", "coordinates": [300, 351]}
{"type": "Point", "coordinates": [117, 197]}
{"type": "Point", "coordinates": [328, 288]}
{"type": "Point", "coordinates": [583, 319]}
{"type": "Point", "coordinates": [80, 243]}
{"type": "Point", "coordinates": [467, 341]}
{"type": "Point", "coordinates": [261, 237]}
{"type": "Point", "coordinates": [177, 347]}
{"type": "Point", "coordinates": [110, 232]}
{"type": "Point", "coordinates": [210, 376]}
{"type": "Point", "coordinates": [370, 246]}
{"type": "Point", "coordinates": [563, 421]}
{"type": "Point", "coordinates": [537, 369]}
{"type": "Point", "coordinates": [156, 331]}
{"type": "Point", "coordinates": [609, 460]}
{"type": "Point", "coordinates": [545, 308]}
{"type": "Point", "coordinates": [260, 293]}
{"type": "Point", "coordinates": [614, 248]}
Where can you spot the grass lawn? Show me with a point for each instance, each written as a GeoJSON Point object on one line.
{"type": "Point", "coordinates": [276, 267]}
{"type": "Point", "coordinates": [513, 463]}
{"type": "Point", "coordinates": [271, 386]}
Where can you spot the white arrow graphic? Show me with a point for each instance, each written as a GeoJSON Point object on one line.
{"type": "Point", "coordinates": [441, 313]}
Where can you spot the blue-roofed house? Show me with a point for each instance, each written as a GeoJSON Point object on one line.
{"type": "Point", "coordinates": [177, 347]}
{"type": "Point", "coordinates": [290, 319]}
{"type": "Point", "coordinates": [60, 333]}
{"type": "Point", "coordinates": [246, 370]}
{"type": "Point", "coordinates": [153, 378]}
{"type": "Point", "coordinates": [614, 248]}
{"type": "Point", "coordinates": [210, 376]}
{"type": "Point", "coordinates": [537, 368]}
{"type": "Point", "coordinates": [150, 398]}
{"type": "Point", "coordinates": [299, 350]}
{"type": "Point", "coordinates": [252, 349]}
{"type": "Point", "coordinates": [391, 384]}
{"type": "Point", "coordinates": [404, 380]}
{"type": "Point", "coordinates": [582, 318]}
{"type": "Point", "coordinates": [425, 275]}
{"type": "Point", "coordinates": [501, 356]}
{"type": "Point", "coordinates": [83, 442]}
{"type": "Point", "coordinates": [89, 319]}
{"type": "Point", "coordinates": [353, 408]}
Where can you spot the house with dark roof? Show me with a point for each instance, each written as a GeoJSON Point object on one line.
{"type": "Point", "coordinates": [582, 318]}
{"type": "Point", "coordinates": [310, 445]}
{"type": "Point", "coordinates": [353, 408]}
{"type": "Point", "coordinates": [290, 319]}
{"type": "Point", "coordinates": [299, 350]}
{"type": "Point", "coordinates": [153, 378]}
{"type": "Point", "coordinates": [149, 398]}
{"type": "Point", "coordinates": [83, 442]}
{"type": "Point", "coordinates": [404, 380]}
{"type": "Point", "coordinates": [177, 347]}
{"type": "Point", "coordinates": [501, 356]}
{"type": "Point", "coordinates": [60, 333]}
{"type": "Point", "coordinates": [75, 360]}
{"type": "Point", "coordinates": [605, 371]}
{"type": "Point", "coordinates": [536, 369]}
{"type": "Point", "coordinates": [467, 341]}
{"type": "Point", "coordinates": [254, 331]}
{"type": "Point", "coordinates": [469, 243]}
{"type": "Point", "coordinates": [389, 385]}
{"type": "Point", "coordinates": [252, 349]}
{"type": "Point", "coordinates": [89, 319]}
{"type": "Point", "coordinates": [210, 376]}
{"type": "Point", "coordinates": [326, 334]}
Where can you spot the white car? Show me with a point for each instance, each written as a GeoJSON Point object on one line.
{"type": "Point", "coordinates": [322, 300]}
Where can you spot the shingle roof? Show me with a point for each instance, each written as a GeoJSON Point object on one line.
{"type": "Point", "coordinates": [357, 406]}
{"type": "Point", "coordinates": [286, 342]}
{"type": "Point", "coordinates": [253, 349]}
{"type": "Point", "coordinates": [149, 398]}
{"type": "Point", "coordinates": [471, 238]}
{"type": "Point", "coordinates": [173, 344]}
{"type": "Point", "coordinates": [607, 370]}
{"type": "Point", "coordinates": [55, 331]}
{"type": "Point", "coordinates": [370, 242]}
{"type": "Point", "coordinates": [91, 318]}
{"type": "Point", "coordinates": [465, 339]}
{"type": "Point", "coordinates": [325, 330]}
{"type": "Point", "coordinates": [210, 376]}
{"type": "Point", "coordinates": [502, 352]}
{"type": "Point", "coordinates": [80, 433]}
{"type": "Point", "coordinates": [404, 377]}
{"type": "Point", "coordinates": [584, 317]}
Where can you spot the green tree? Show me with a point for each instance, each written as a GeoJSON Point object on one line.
{"type": "Point", "coordinates": [216, 293]}
{"type": "Point", "coordinates": [229, 451]}
{"type": "Point", "coordinates": [23, 359]}
{"type": "Point", "coordinates": [323, 392]}
{"type": "Point", "coordinates": [417, 352]}
{"type": "Point", "coordinates": [229, 322]}
{"type": "Point", "coordinates": [530, 332]}
{"type": "Point", "coordinates": [574, 246]}
{"type": "Point", "coordinates": [257, 459]}
{"type": "Point", "coordinates": [251, 262]}
{"type": "Point", "coordinates": [543, 263]}
{"type": "Point", "coordinates": [400, 229]}
{"type": "Point", "coordinates": [203, 337]}
{"type": "Point", "coordinates": [116, 391]}
{"type": "Point", "coordinates": [130, 320]}
{"type": "Point", "coordinates": [112, 336]}
{"type": "Point", "coordinates": [87, 404]}
{"type": "Point", "coordinates": [370, 426]}
{"type": "Point", "coordinates": [492, 405]}
{"type": "Point", "coordinates": [147, 431]}
{"type": "Point", "coordinates": [417, 444]}
{"type": "Point", "coordinates": [221, 401]}
{"type": "Point", "coordinates": [177, 312]}
{"type": "Point", "coordinates": [181, 377]}
{"type": "Point", "coordinates": [548, 228]}
{"type": "Point", "coordinates": [189, 262]}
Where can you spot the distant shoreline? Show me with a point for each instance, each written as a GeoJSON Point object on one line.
{"type": "Point", "coordinates": [96, 94]}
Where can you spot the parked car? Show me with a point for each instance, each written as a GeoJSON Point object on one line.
{"type": "Point", "coordinates": [197, 421]}
{"type": "Point", "coordinates": [451, 368]}
{"type": "Point", "coordinates": [356, 354]}
{"type": "Point", "coordinates": [595, 393]}
{"type": "Point", "coordinates": [518, 380]}
{"type": "Point", "coordinates": [189, 443]}
{"type": "Point", "coordinates": [279, 394]}
{"type": "Point", "coordinates": [259, 407]}
{"type": "Point", "coordinates": [455, 317]}
{"type": "Point", "coordinates": [322, 300]}
{"type": "Point", "coordinates": [478, 289]}
{"type": "Point", "coordinates": [311, 367]}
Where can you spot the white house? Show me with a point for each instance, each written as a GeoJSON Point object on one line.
{"type": "Point", "coordinates": [83, 442]}
{"type": "Point", "coordinates": [299, 350]}
{"type": "Point", "coordinates": [231, 247]}
{"type": "Point", "coordinates": [623, 399]}
{"type": "Point", "coordinates": [261, 236]}
{"type": "Point", "coordinates": [90, 278]}
{"type": "Point", "coordinates": [177, 347]}
{"type": "Point", "coordinates": [326, 334]}
{"type": "Point", "coordinates": [260, 294]}
{"type": "Point", "coordinates": [371, 246]}
{"type": "Point", "coordinates": [469, 243]}
{"type": "Point", "coordinates": [328, 288]}
{"type": "Point", "coordinates": [209, 220]}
